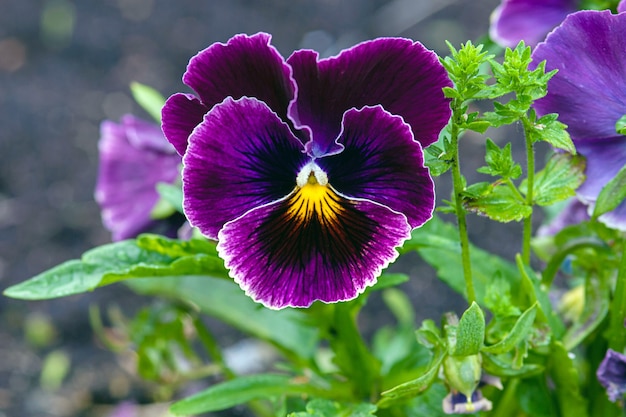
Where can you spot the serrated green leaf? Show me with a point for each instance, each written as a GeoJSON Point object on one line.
{"type": "Point", "coordinates": [470, 332]}
{"type": "Point", "coordinates": [224, 300]}
{"type": "Point", "coordinates": [437, 242]}
{"type": "Point", "coordinates": [502, 204]}
{"type": "Point", "coordinates": [149, 99]}
{"type": "Point", "coordinates": [553, 132]}
{"type": "Point", "coordinates": [519, 332]}
{"type": "Point", "coordinates": [327, 408]}
{"type": "Point", "coordinates": [558, 181]}
{"type": "Point", "coordinates": [238, 391]}
{"type": "Point", "coordinates": [612, 194]}
{"type": "Point", "coordinates": [500, 162]}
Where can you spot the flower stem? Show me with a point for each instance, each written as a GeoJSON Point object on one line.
{"type": "Point", "coordinates": [530, 182]}
{"type": "Point", "coordinates": [457, 183]}
{"type": "Point", "coordinates": [618, 307]}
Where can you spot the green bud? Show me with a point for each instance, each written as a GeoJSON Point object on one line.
{"type": "Point", "coordinates": [462, 373]}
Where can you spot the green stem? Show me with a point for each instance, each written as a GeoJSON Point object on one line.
{"type": "Point", "coordinates": [618, 307]}
{"type": "Point", "coordinates": [507, 403]}
{"type": "Point", "coordinates": [530, 182]}
{"type": "Point", "coordinates": [457, 183]}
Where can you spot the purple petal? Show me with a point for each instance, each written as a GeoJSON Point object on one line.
{"type": "Point", "coordinates": [527, 20]}
{"type": "Point", "coordinates": [589, 91]}
{"type": "Point", "coordinates": [575, 212]}
{"type": "Point", "coordinates": [131, 164]}
{"type": "Point", "coordinates": [604, 160]}
{"type": "Point", "coordinates": [381, 162]}
{"type": "Point", "coordinates": [245, 66]}
{"type": "Point", "coordinates": [402, 76]}
{"type": "Point", "coordinates": [612, 374]}
{"type": "Point", "coordinates": [313, 245]}
{"type": "Point", "coordinates": [241, 156]}
{"type": "Point", "coordinates": [180, 116]}
{"type": "Point", "coordinates": [621, 7]}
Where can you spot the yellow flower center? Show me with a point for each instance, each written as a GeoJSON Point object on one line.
{"type": "Point", "coordinates": [314, 196]}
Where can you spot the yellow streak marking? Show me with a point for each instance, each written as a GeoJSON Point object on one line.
{"type": "Point", "coordinates": [314, 199]}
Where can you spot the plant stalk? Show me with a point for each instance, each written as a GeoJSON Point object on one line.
{"type": "Point", "coordinates": [530, 182]}
{"type": "Point", "coordinates": [617, 340]}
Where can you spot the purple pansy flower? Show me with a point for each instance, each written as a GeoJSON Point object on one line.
{"type": "Point", "coordinates": [589, 94]}
{"type": "Point", "coordinates": [134, 157]}
{"type": "Point", "coordinates": [574, 212]}
{"type": "Point", "coordinates": [527, 20]}
{"type": "Point", "coordinates": [612, 374]}
{"type": "Point", "coordinates": [309, 172]}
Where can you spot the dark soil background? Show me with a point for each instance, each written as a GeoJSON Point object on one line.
{"type": "Point", "coordinates": [64, 67]}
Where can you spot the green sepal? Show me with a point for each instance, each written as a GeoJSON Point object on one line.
{"type": "Point", "coordinates": [429, 335]}
{"type": "Point", "coordinates": [558, 181]}
{"type": "Point", "coordinates": [518, 333]}
{"type": "Point", "coordinates": [612, 194]}
{"type": "Point", "coordinates": [470, 333]}
{"type": "Point", "coordinates": [326, 408]}
{"type": "Point", "coordinates": [171, 194]}
{"type": "Point", "coordinates": [240, 390]}
{"type": "Point", "coordinates": [149, 99]}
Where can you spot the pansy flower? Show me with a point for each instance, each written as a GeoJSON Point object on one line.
{"type": "Point", "coordinates": [527, 20]}
{"type": "Point", "coordinates": [589, 94]}
{"type": "Point", "coordinates": [134, 158]}
{"type": "Point", "coordinates": [308, 172]}
{"type": "Point", "coordinates": [612, 374]}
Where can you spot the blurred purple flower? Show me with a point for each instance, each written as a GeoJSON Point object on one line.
{"type": "Point", "coordinates": [527, 20]}
{"type": "Point", "coordinates": [134, 157]}
{"type": "Point", "coordinates": [589, 94]}
{"type": "Point", "coordinates": [573, 213]}
{"type": "Point", "coordinates": [612, 374]}
{"type": "Point", "coordinates": [309, 172]}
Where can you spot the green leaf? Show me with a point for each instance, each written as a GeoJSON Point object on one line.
{"type": "Point", "coordinates": [437, 242]}
{"type": "Point", "coordinates": [414, 387]}
{"type": "Point", "coordinates": [620, 125]}
{"type": "Point", "coordinates": [548, 129]}
{"type": "Point", "coordinates": [149, 99]}
{"type": "Point", "coordinates": [612, 194]}
{"type": "Point", "coordinates": [502, 366]}
{"type": "Point", "coordinates": [500, 162]}
{"type": "Point", "coordinates": [518, 333]}
{"type": "Point", "coordinates": [238, 391]}
{"type": "Point", "coordinates": [429, 403]}
{"type": "Point", "coordinates": [326, 408]}
{"type": "Point", "coordinates": [171, 194]}
{"type": "Point", "coordinates": [400, 305]}
{"type": "Point", "coordinates": [566, 379]}
{"type": "Point", "coordinates": [224, 300]}
{"type": "Point", "coordinates": [120, 261]}
{"type": "Point", "coordinates": [501, 203]}
{"type": "Point", "coordinates": [470, 332]}
{"type": "Point", "coordinates": [536, 399]}
{"type": "Point", "coordinates": [558, 181]}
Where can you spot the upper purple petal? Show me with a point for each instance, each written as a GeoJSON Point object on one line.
{"type": "Point", "coordinates": [381, 162]}
{"type": "Point", "coordinates": [612, 374]}
{"type": "Point", "coordinates": [179, 117]}
{"type": "Point", "coordinates": [621, 7]}
{"type": "Point", "coordinates": [399, 74]}
{"type": "Point", "coordinates": [589, 91]}
{"type": "Point", "coordinates": [527, 20]}
{"type": "Point", "coordinates": [134, 157]}
{"type": "Point", "coordinates": [246, 66]}
{"type": "Point", "coordinates": [240, 157]}
{"type": "Point", "coordinates": [293, 252]}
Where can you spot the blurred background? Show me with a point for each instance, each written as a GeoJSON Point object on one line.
{"type": "Point", "coordinates": [64, 67]}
